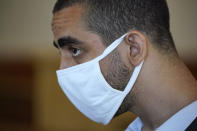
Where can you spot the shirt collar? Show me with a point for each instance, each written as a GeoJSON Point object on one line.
{"type": "Point", "coordinates": [181, 120]}
{"type": "Point", "coordinates": [178, 122]}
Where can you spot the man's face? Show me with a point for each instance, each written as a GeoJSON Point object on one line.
{"type": "Point", "coordinates": [77, 45]}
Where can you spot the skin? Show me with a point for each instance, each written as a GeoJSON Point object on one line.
{"type": "Point", "coordinates": [164, 86]}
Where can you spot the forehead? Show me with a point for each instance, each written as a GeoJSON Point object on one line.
{"type": "Point", "coordinates": [68, 22]}
{"type": "Point", "coordinates": [66, 19]}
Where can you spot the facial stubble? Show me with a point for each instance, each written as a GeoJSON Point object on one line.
{"type": "Point", "coordinates": [118, 76]}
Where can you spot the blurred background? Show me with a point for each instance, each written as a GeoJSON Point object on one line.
{"type": "Point", "coordinates": [30, 98]}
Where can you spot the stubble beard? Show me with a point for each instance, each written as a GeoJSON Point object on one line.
{"type": "Point", "coordinates": [118, 76]}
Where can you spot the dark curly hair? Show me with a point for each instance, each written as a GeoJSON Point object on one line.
{"type": "Point", "coordinates": [111, 19]}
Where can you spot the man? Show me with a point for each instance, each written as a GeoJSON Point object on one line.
{"type": "Point", "coordinates": [119, 56]}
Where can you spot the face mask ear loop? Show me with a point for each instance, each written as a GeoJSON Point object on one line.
{"type": "Point", "coordinates": [112, 47]}
{"type": "Point", "coordinates": [133, 78]}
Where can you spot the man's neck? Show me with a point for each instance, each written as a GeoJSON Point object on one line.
{"type": "Point", "coordinates": [163, 90]}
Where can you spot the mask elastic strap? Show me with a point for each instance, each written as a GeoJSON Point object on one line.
{"type": "Point", "coordinates": [136, 71]}
{"type": "Point", "coordinates": [112, 47]}
{"type": "Point", "coordinates": [133, 78]}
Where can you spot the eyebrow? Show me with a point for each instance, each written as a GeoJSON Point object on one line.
{"type": "Point", "coordinates": [66, 41]}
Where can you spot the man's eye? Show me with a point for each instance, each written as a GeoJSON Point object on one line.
{"type": "Point", "coordinates": [75, 51]}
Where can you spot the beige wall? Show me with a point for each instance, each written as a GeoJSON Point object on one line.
{"type": "Point", "coordinates": [25, 27]}
{"type": "Point", "coordinates": [25, 34]}
{"type": "Point", "coordinates": [184, 27]}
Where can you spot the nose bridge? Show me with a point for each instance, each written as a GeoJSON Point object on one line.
{"type": "Point", "coordinates": [66, 62]}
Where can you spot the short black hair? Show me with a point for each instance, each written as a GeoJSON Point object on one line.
{"type": "Point", "coordinates": [110, 19]}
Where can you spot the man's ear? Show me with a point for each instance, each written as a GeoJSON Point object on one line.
{"type": "Point", "coordinates": [138, 47]}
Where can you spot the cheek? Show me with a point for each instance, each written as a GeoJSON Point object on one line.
{"type": "Point", "coordinates": [109, 63]}
{"type": "Point", "coordinates": [105, 65]}
{"type": "Point", "coordinates": [114, 71]}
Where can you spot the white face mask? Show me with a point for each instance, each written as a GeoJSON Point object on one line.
{"type": "Point", "coordinates": [88, 90]}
